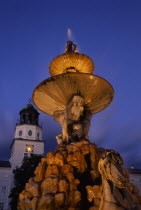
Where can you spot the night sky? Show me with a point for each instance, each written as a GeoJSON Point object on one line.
{"type": "Point", "coordinates": [33, 32]}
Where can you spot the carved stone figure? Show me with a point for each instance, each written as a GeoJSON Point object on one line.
{"type": "Point", "coordinates": [75, 121]}
{"type": "Point", "coordinates": [70, 47]}
{"type": "Point", "coordinates": [114, 182]}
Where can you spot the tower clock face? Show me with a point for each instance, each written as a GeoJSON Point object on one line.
{"type": "Point", "coordinates": [29, 148]}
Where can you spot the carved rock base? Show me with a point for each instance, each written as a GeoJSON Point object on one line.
{"type": "Point", "coordinates": [68, 178]}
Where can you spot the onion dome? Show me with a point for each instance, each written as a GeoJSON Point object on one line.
{"type": "Point", "coordinates": [29, 115]}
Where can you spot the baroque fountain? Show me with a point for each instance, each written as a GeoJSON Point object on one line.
{"type": "Point", "coordinates": [78, 175]}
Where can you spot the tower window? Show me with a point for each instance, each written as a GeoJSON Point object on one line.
{"type": "Point", "coordinates": [30, 119]}
{"type": "Point", "coordinates": [24, 118]}
{"type": "Point", "coordinates": [29, 148]}
{"type": "Point", "coordinates": [30, 133]}
{"type": "Point", "coordinates": [20, 133]}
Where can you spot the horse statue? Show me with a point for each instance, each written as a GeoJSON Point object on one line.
{"type": "Point", "coordinates": [116, 194]}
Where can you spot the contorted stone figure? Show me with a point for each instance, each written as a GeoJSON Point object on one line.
{"type": "Point", "coordinates": [75, 121]}
{"type": "Point", "coordinates": [70, 47]}
{"type": "Point", "coordinates": [115, 182]}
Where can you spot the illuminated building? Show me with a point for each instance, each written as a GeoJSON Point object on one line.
{"type": "Point", "coordinates": [27, 140]}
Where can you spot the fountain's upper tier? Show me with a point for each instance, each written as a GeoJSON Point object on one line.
{"type": "Point", "coordinates": [72, 75]}
{"type": "Point", "coordinates": [71, 61]}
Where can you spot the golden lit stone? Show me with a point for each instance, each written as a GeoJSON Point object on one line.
{"type": "Point", "coordinates": [54, 93]}
{"type": "Point", "coordinates": [71, 62]}
{"type": "Point", "coordinates": [78, 175]}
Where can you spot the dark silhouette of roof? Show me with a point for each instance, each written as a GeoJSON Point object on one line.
{"type": "Point", "coordinates": [29, 107]}
{"type": "Point", "coordinates": [5, 164]}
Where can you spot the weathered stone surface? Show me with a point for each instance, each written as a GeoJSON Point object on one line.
{"type": "Point", "coordinates": [27, 203]}
{"type": "Point", "coordinates": [51, 170]}
{"type": "Point", "coordinates": [59, 200]}
{"type": "Point", "coordinates": [50, 158]}
{"type": "Point", "coordinates": [59, 159]}
{"type": "Point", "coordinates": [74, 198]}
{"type": "Point", "coordinates": [73, 182]}
{"type": "Point", "coordinates": [77, 160]}
{"type": "Point", "coordinates": [46, 203]}
{"type": "Point", "coordinates": [34, 203]}
{"type": "Point", "coordinates": [50, 185]}
{"type": "Point", "coordinates": [21, 205]}
{"type": "Point", "coordinates": [85, 149]}
{"type": "Point", "coordinates": [93, 157]}
{"type": "Point", "coordinates": [32, 189]}
{"type": "Point", "coordinates": [63, 185]}
{"type": "Point", "coordinates": [90, 195]}
{"type": "Point", "coordinates": [22, 195]}
{"type": "Point", "coordinates": [40, 171]}
{"type": "Point", "coordinates": [77, 176]}
{"type": "Point", "coordinates": [66, 168]}
{"type": "Point", "coordinates": [71, 148]}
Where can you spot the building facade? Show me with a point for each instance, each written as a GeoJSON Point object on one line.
{"type": "Point", "coordinates": [135, 177]}
{"type": "Point", "coordinates": [27, 139]}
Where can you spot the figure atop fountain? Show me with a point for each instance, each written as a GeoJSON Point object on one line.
{"type": "Point", "coordinates": [70, 47]}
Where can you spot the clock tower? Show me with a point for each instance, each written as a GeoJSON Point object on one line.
{"type": "Point", "coordinates": [27, 137]}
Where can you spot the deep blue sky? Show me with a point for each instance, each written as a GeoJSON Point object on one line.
{"type": "Point", "coordinates": [33, 32]}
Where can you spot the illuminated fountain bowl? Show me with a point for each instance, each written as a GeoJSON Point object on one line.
{"type": "Point", "coordinates": [71, 62]}
{"type": "Point", "coordinates": [54, 93]}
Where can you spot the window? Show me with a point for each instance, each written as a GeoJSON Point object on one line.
{"type": "Point", "coordinates": [30, 133]}
{"type": "Point", "coordinates": [20, 133]}
{"type": "Point", "coordinates": [24, 118]}
{"type": "Point", "coordinates": [1, 206]}
{"type": "Point", "coordinates": [29, 148]}
{"type": "Point", "coordinates": [30, 119]}
{"type": "Point", "coordinates": [3, 189]}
